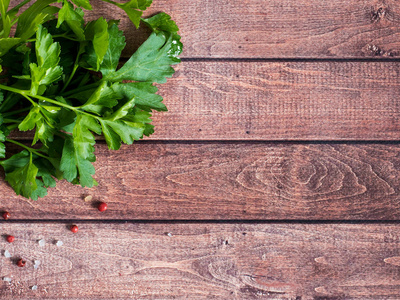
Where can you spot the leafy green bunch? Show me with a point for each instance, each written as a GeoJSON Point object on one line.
{"type": "Point", "coordinates": [61, 79]}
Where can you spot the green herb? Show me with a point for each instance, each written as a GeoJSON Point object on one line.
{"type": "Point", "coordinates": [61, 79]}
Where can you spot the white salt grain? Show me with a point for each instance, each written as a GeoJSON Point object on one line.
{"type": "Point", "coordinates": [42, 242]}
{"type": "Point", "coordinates": [59, 243]}
{"type": "Point", "coordinates": [34, 287]}
{"type": "Point", "coordinates": [7, 254]}
{"type": "Point", "coordinates": [169, 234]}
{"type": "Point", "coordinates": [8, 279]}
{"type": "Point", "coordinates": [37, 264]}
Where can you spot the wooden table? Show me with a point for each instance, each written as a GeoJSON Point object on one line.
{"type": "Point", "coordinates": [275, 175]}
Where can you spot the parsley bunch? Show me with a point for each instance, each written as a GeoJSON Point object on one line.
{"type": "Point", "coordinates": [61, 79]}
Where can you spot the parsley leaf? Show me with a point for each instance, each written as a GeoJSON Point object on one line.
{"type": "Point", "coordinates": [116, 43]}
{"type": "Point", "coordinates": [38, 13]}
{"type": "Point", "coordinates": [151, 62]}
{"type": "Point", "coordinates": [102, 98]}
{"type": "Point", "coordinates": [43, 118]}
{"type": "Point", "coordinates": [121, 130]}
{"type": "Point", "coordinates": [144, 94]}
{"type": "Point", "coordinates": [22, 173]}
{"type": "Point", "coordinates": [75, 166]}
{"type": "Point", "coordinates": [73, 18]}
{"type": "Point", "coordinates": [23, 179]}
{"type": "Point", "coordinates": [162, 23]}
{"type": "Point", "coordinates": [82, 134]}
{"type": "Point", "coordinates": [83, 3]}
{"type": "Point", "coordinates": [47, 70]}
{"type": "Point", "coordinates": [97, 32]}
{"type": "Point", "coordinates": [134, 9]}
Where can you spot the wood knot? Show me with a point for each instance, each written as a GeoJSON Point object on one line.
{"type": "Point", "coordinates": [385, 12]}
{"type": "Point", "coordinates": [374, 50]}
{"type": "Point", "coordinates": [395, 260]}
{"type": "Point", "coordinates": [321, 260]}
{"type": "Point", "coordinates": [378, 14]}
{"type": "Point", "coordinates": [321, 290]}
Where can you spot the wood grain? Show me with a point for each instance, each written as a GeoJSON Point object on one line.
{"type": "Point", "coordinates": [204, 261]}
{"type": "Point", "coordinates": [280, 101]}
{"type": "Point", "coordinates": [278, 28]}
{"type": "Point", "coordinates": [273, 29]}
{"type": "Point", "coordinates": [243, 101]}
{"type": "Point", "coordinates": [229, 181]}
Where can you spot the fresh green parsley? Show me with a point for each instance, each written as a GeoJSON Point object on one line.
{"type": "Point", "coordinates": [61, 78]}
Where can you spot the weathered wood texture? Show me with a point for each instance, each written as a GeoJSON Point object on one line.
{"type": "Point", "coordinates": [226, 100]}
{"type": "Point", "coordinates": [204, 261]}
{"type": "Point", "coordinates": [274, 28]}
{"type": "Point", "coordinates": [281, 101]}
{"type": "Point", "coordinates": [227, 182]}
{"type": "Point", "coordinates": [278, 28]}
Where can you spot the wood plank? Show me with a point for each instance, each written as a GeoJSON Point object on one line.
{"type": "Point", "coordinates": [204, 261]}
{"type": "Point", "coordinates": [281, 101]}
{"type": "Point", "coordinates": [279, 28]}
{"type": "Point", "coordinates": [275, 28]}
{"type": "Point", "coordinates": [229, 181]}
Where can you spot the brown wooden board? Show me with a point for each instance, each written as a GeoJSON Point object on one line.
{"type": "Point", "coordinates": [280, 101]}
{"type": "Point", "coordinates": [203, 261]}
{"type": "Point", "coordinates": [256, 181]}
{"type": "Point", "coordinates": [273, 29]}
{"type": "Point", "coordinates": [277, 28]}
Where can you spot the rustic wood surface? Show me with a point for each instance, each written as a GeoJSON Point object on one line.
{"type": "Point", "coordinates": [263, 86]}
{"type": "Point", "coordinates": [278, 28]}
{"type": "Point", "coordinates": [280, 101]}
{"type": "Point", "coordinates": [229, 181]}
{"type": "Point", "coordinates": [204, 261]}
{"type": "Point", "coordinates": [274, 28]}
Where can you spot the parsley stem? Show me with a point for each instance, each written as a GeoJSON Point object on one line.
{"type": "Point", "coordinates": [5, 102]}
{"type": "Point", "coordinates": [5, 26]}
{"type": "Point", "coordinates": [58, 36]}
{"type": "Point", "coordinates": [16, 112]}
{"type": "Point", "coordinates": [54, 102]}
{"type": "Point", "coordinates": [76, 66]}
{"type": "Point", "coordinates": [12, 127]}
{"type": "Point", "coordinates": [112, 2]}
{"type": "Point", "coordinates": [11, 121]}
{"type": "Point", "coordinates": [30, 100]}
{"type": "Point", "coordinates": [17, 7]}
{"type": "Point", "coordinates": [10, 89]}
{"type": "Point", "coordinates": [9, 98]}
{"type": "Point", "coordinates": [28, 96]}
{"type": "Point", "coordinates": [31, 150]}
{"type": "Point", "coordinates": [82, 89]}
{"type": "Point", "coordinates": [75, 109]}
